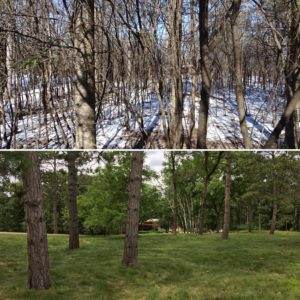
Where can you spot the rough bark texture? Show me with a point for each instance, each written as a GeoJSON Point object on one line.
{"type": "Point", "coordinates": [84, 87]}
{"type": "Point", "coordinates": [3, 81]}
{"type": "Point", "coordinates": [205, 73]}
{"type": "Point", "coordinates": [284, 120]}
{"type": "Point", "coordinates": [194, 73]}
{"type": "Point", "coordinates": [239, 90]}
{"type": "Point", "coordinates": [292, 75]}
{"type": "Point", "coordinates": [130, 256]}
{"type": "Point", "coordinates": [72, 201]}
{"type": "Point", "coordinates": [174, 183]}
{"type": "Point", "coordinates": [175, 17]}
{"type": "Point", "coordinates": [288, 120]}
{"type": "Point", "coordinates": [37, 243]}
{"type": "Point", "coordinates": [227, 203]}
{"type": "Point", "coordinates": [54, 199]}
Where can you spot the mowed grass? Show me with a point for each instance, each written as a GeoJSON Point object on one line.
{"type": "Point", "coordinates": [248, 266]}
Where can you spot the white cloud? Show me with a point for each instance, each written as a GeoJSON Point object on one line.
{"type": "Point", "coordinates": [155, 159]}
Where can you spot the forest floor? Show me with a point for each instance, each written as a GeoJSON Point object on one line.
{"type": "Point", "coordinates": [248, 266]}
{"type": "Point", "coordinates": [264, 108]}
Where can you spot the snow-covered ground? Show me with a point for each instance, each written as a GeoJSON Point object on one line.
{"type": "Point", "coordinates": [263, 110]}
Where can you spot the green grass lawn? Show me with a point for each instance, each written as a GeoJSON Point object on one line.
{"type": "Point", "coordinates": [248, 266]}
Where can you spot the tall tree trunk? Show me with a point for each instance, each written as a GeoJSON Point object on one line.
{"type": "Point", "coordinates": [292, 75]}
{"type": "Point", "coordinates": [239, 91]}
{"type": "Point", "coordinates": [274, 210]}
{"type": "Point", "coordinates": [84, 87]}
{"type": "Point", "coordinates": [296, 218]}
{"type": "Point", "coordinates": [203, 207]}
{"type": "Point", "coordinates": [175, 201]}
{"type": "Point", "coordinates": [205, 73]}
{"type": "Point", "coordinates": [227, 203]}
{"type": "Point", "coordinates": [130, 256]}
{"type": "Point", "coordinates": [284, 120]}
{"type": "Point", "coordinates": [194, 73]}
{"type": "Point", "coordinates": [3, 83]}
{"type": "Point", "coordinates": [206, 180]}
{"type": "Point", "coordinates": [37, 243]}
{"type": "Point", "coordinates": [175, 19]}
{"type": "Point", "coordinates": [54, 198]}
{"type": "Point", "coordinates": [292, 78]}
{"type": "Point", "coordinates": [250, 218]}
{"type": "Point", "coordinates": [72, 201]}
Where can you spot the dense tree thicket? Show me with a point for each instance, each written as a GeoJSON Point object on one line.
{"type": "Point", "coordinates": [264, 192]}
{"type": "Point", "coordinates": [68, 68]}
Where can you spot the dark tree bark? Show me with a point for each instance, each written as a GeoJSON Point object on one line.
{"type": "Point", "coordinates": [288, 120]}
{"type": "Point", "coordinates": [37, 243]}
{"type": "Point", "coordinates": [250, 218]}
{"type": "Point", "coordinates": [292, 75]}
{"type": "Point", "coordinates": [72, 201]}
{"type": "Point", "coordinates": [284, 120]}
{"type": "Point", "coordinates": [54, 199]}
{"type": "Point", "coordinates": [206, 180]}
{"type": "Point", "coordinates": [175, 202]}
{"type": "Point", "coordinates": [84, 90]}
{"type": "Point", "coordinates": [296, 218]}
{"type": "Point", "coordinates": [130, 256]}
{"type": "Point", "coordinates": [274, 211]}
{"type": "Point", "coordinates": [203, 206]}
{"type": "Point", "coordinates": [3, 82]}
{"type": "Point", "coordinates": [239, 90]}
{"type": "Point", "coordinates": [205, 73]}
{"type": "Point", "coordinates": [226, 225]}
{"type": "Point", "coordinates": [175, 19]}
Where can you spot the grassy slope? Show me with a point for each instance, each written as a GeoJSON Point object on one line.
{"type": "Point", "coordinates": [248, 266]}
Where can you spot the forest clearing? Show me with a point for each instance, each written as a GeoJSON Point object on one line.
{"type": "Point", "coordinates": [248, 266]}
{"type": "Point", "coordinates": [214, 225]}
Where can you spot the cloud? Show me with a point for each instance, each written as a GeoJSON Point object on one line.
{"type": "Point", "coordinates": [155, 159]}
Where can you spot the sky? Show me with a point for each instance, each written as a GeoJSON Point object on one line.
{"type": "Point", "coordinates": [155, 159]}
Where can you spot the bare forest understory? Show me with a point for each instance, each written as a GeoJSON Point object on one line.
{"type": "Point", "coordinates": [139, 123]}
{"type": "Point", "coordinates": [172, 74]}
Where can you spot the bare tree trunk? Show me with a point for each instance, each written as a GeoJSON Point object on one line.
{"type": "Point", "coordinates": [205, 73]}
{"type": "Point", "coordinates": [175, 201]}
{"type": "Point", "coordinates": [292, 75]}
{"type": "Point", "coordinates": [130, 256]}
{"type": "Point", "coordinates": [175, 19]}
{"type": "Point", "coordinates": [285, 118]}
{"type": "Point", "coordinates": [37, 243]}
{"type": "Point", "coordinates": [54, 198]}
{"type": "Point", "coordinates": [3, 83]}
{"type": "Point", "coordinates": [194, 73]}
{"type": "Point", "coordinates": [84, 90]}
{"type": "Point", "coordinates": [237, 49]}
{"type": "Point", "coordinates": [227, 203]}
{"type": "Point", "coordinates": [72, 201]}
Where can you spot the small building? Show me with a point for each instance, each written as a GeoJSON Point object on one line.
{"type": "Point", "coordinates": [150, 224]}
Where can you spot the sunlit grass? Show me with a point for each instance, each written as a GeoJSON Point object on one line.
{"type": "Point", "coordinates": [248, 266]}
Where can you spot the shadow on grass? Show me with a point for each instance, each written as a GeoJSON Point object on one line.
{"type": "Point", "coordinates": [248, 266]}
